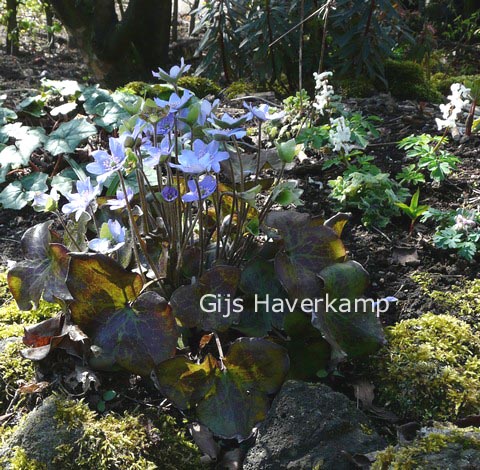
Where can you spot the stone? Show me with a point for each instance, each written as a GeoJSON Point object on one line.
{"type": "Point", "coordinates": [40, 434]}
{"type": "Point", "coordinates": [310, 426]}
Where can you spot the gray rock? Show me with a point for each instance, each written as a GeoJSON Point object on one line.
{"type": "Point", "coordinates": [310, 426]}
{"type": "Point", "coordinates": [40, 434]}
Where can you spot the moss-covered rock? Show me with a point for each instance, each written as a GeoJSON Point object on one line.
{"type": "Point", "coordinates": [438, 449]}
{"type": "Point", "coordinates": [240, 88]}
{"type": "Point", "coordinates": [430, 368]}
{"type": "Point", "coordinates": [201, 86]}
{"type": "Point", "coordinates": [64, 433]}
{"type": "Point", "coordinates": [406, 80]}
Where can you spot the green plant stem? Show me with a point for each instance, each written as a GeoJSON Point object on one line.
{"type": "Point", "coordinates": [64, 225]}
{"type": "Point", "coordinates": [139, 238]}
{"type": "Point", "coordinates": [200, 225]}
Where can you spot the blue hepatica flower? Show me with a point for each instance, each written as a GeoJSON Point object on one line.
{"type": "Point", "coordinates": [226, 134]}
{"type": "Point", "coordinates": [203, 157]}
{"type": "Point", "coordinates": [229, 122]}
{"type": "Point", "coordinates": [107, 163]}
{"type": "Point", "coordinates": [120, 202]}
{"type": "Point", "coordinates": [206, 109]}
{"type": "Point", "coordinates": [81, 200]}
{"type": "Point", "coordinates": [175, 72]}
{"type": "Point", "coordinates": [207, 186]}
{"type": "Point", "coordinates": [165, 125]}
{"type": "Point", "coordinates": [113, 240]}
{"type": "Point", "coordinates": [175, 102]}
{"type": "Point", "coordinates": [169, 193]}
{"type": "Point", "coordinates": [155, 154]}
{"type": "Point", "coordinates": [262, 112]}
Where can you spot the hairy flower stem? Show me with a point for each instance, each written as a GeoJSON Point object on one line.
{"type": "Point", "coordinates": [259, 149]}
{"type": "Point", "coordinates": [67, 231]}
{"type": "Point", "coordinates": [440, 142]}
{"type": "Point", "coordinates": [221, 357]}
{"type": "Point", "coordinates": [200, 225]}
{"type": "Point", "coordinates": [139, 238]}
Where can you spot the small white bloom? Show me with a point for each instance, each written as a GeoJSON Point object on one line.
{"type": "Point", "coordinates": [462, 223]}
{"type": "Point", "coordinates": [458, 100]}
{"type": "Point", "coordinates": [324, 91]}
{"type": "Point", "coordinates": [340, 135]}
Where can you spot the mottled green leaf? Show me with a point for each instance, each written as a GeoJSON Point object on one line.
{"type": "Point", "coordinates": [350, 323]}
{"type": "Point", "coordinates": [68, 136]}
{"type": "Point", "coordinates": [6, 115]}
{"type": "Point", "coordinates": [220, 283]}
{"type": "Point", "coordinates": [19, 193]}
{"type": "Point", "coordinates": [97, 284]}
{"type": "Point", "coordinates": [309, 247]}
{"type": "Point", "coordinates": [137, 338]}
{"type": "Point", "coordinates": [43, 272]}
{"type": "Point", "coordinates": [231, 401]}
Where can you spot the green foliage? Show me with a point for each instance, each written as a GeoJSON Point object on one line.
{"type": "Point", "coordinates": [414, 210]}
{"type": "Point", "coordinates": [410, 175]}
{"type": "Point", "coordinates": [147, 90]}
{"type": "Point", "coordinates": [20, 461]}
{"type": "Point", "coordinates": [356, 87]}
{"type": "Point", "coordinates": [201, 86]}
{"type": "Point", "coordinates": [364, 34]}
{"type": "Point", "coordinates": [240, 88]}
{"type": "Point", "coordinates": [374, 193]}
{"type": "Point", "coordinates": [443, 81]}
{"type": "Point", "coordinates": [406, 80]}
{"type": "Point", "coordinates": [229, 397]}
{"type": "Point", "coordinates": [430, 368]}
{"type": "Point", "coordinates": [439, 163]}
{"type": "Point", "coordinates": [456, 230]}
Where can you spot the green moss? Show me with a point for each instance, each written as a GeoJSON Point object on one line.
{"type": "Point", "coordinates": [406, 80]}
{"type": "Point", "coordinates": [417, 455]}
{"type": "Point", "coordinates": [462, 300]}
{"type": "Point", "coordinates": [20, 461]}
{"type": "Point", "coordinates": [9, 313]}
{"type": "Point", "coordinates": [443, 82]}
{"type": "Point", "coordinates": [430, 368]}
{"type": "Point", "coordinates": [240, 88]}
{"type": "Point", "coordinates": [201, 86]}
{"type": "Point", "coordinates": [123, 441]}
{"type": "Point", "coordinates": [13, 368]}
{"type": "Point", "coordinates": [360, 87]}
{"type": "Point", "coordinates": [148, 90]}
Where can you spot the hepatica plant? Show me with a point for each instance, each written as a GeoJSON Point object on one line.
{"type": "Point", "coordinates": [175, 234]}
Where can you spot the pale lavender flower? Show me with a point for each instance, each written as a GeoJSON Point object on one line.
{"type": "Point", "coordinates": [46, 202]}
{"type": "Point", "coordinates": [206, 109]}
{"type": "Point", "coordinates": [120, 202]}
{"type": "Point", "coordinates": [226, 134]}
{"type": "Point", "coordinates": [203, 157]}
{"type": "Point", "coordinates": [155, 154]}
{"type": "Point", "coordinates": [175, 102]}
{"type": "Point", "coordinates": [107, 163]}
{"type": "Point", "coordinates": [80, 201]}
{"type": "Point", "coordinates": [175, 72]}
{"type": "Point", "coordinates": [262, 112]}
{"type": "Point", "coordinates": [207, 186]}
{"type": "Point", "coordinates": [114, 239]}
{"type": "Point", "coordinates": [229, 122]}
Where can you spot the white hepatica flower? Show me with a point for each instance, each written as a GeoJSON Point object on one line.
{"type": "Point", "coordinates": [340, 135]}
{"type": "Point", "coordinates": [323, 90]}
{"type": "Point", "coordinates": [450, 111]}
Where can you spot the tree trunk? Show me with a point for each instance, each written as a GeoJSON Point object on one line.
{"type": "Point", "coordinates": [118, 51]}
{"type": "Point", "coordinates": [12, 28]}
{"type": "Point", "coordinates": [49, 20]}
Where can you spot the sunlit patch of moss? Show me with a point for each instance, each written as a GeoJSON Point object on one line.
{"type": "Point", "coordinates": [416, 454]}
{"type": "Point", "coordinates": [240, 88]}
{"type": "Point", "coordinates": [9, 313]}
{"type": "Point", "coordinates": [461, 301]}
{"type": "Point", "coordinates": [13, 370]}
{"type": "Point", "coordinates": [10, 330]}
{"type": "Point", "coordinates": [430, 368]}
{"type": "Point", "coordinates": [122, 441]}
{"type": "Point", "coordinates": [147, 90]}
{"type": "Point", "coordinates": [20, 461]}
{"type": "Point", "coordinates": [200, 86]}
{"type": "Point", "coordinates": [4, 292]}
{"type": "Point", "coordinates": [443, 81]}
